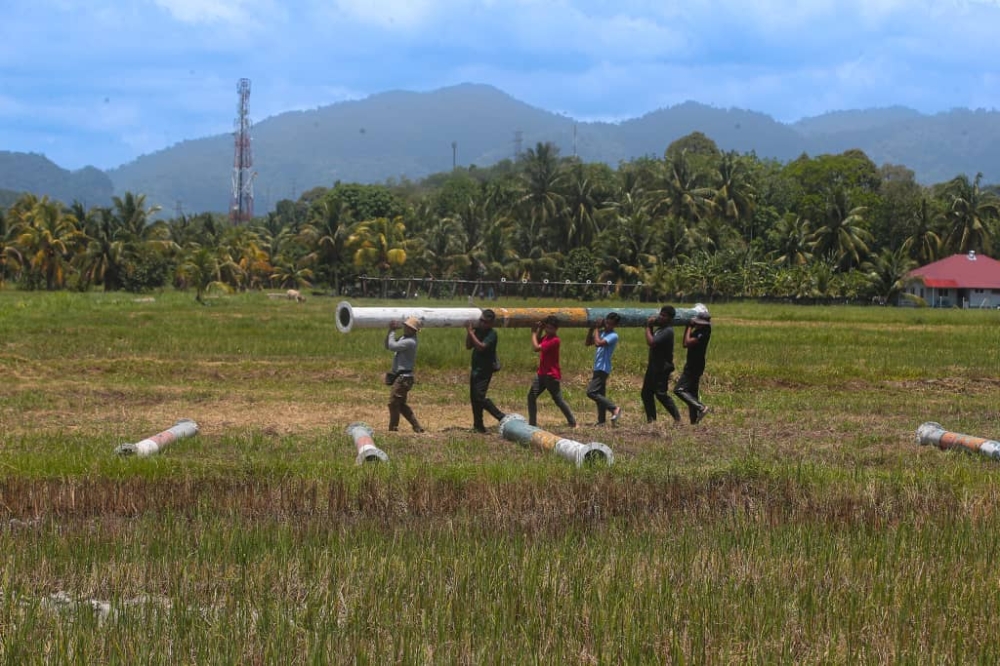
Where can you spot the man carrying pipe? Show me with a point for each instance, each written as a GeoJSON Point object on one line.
{"type": "Point", "coordinates": [404, 358]}
{"type": "Point", "coordinates": [482, 340]}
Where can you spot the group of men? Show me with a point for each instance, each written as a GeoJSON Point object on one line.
{"type": "Point", "coordinates": [481, 339]}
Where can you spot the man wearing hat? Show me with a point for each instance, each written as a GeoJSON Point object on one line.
{"type": "Point", "coordinates": [401, 378]}
{"type": "Point", "coordinates": [603, 336]}
{"type": "Point", "coordinates": [696, 337]}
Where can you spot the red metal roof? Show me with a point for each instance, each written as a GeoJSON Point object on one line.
{"type": "Point", "coordinates": [960, 271]}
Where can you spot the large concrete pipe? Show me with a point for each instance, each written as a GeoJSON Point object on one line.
{"type": "Point", "coordinates": [515, 428]}
{"type": "Point", "coordinates": [153, 445]}
{"type": "Point", "coordinates": [349, 317]}
{"type": "Point", "coordinates": [934, 433]}
{"type": "Point", "coordinates": [367, 451]}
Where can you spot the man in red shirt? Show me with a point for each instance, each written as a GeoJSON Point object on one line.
{"type": "Point", "coordinates": [545, 341]}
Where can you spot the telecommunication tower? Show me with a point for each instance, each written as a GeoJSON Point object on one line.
{"type": "Point", "coordinates": [241, 206]}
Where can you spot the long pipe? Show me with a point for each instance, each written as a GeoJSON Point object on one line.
{"type": "Point", "coordinates": [934, 433]}
{"type": "Point", "coordinates": [367, 451]}
{"type": "Point", "coordinates": [349, 317]}
{"type": "Point", "coordinates": [153, 445]}
{"type": "Point", "coordinates": [515, 428]}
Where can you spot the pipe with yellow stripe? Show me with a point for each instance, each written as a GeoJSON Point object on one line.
{"type": "Point", "coordinates": [349, 318]}
{"type": "Point", "coordinates": [934, 433]}
{"type": "Point", "coordinates": [515, 428]}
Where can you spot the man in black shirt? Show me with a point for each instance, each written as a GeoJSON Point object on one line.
{"type": "Point", "coordinates": [655, 385]}
{"type": "Point", "coordinates": [696, 337]}
{"type": "Point", "coordinates": [482, 340]}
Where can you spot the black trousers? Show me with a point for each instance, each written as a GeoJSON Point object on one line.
{"type": "Point", "coordinates": [597, 390]}
{"type": "Point", "coordinates": [478, 386]}
{"type": "Point", "coordinates": [540, 385]}
{"type": "Point", "coordinates": [656, 386]}
{"type": "Point", "coordinates": [687, 390]}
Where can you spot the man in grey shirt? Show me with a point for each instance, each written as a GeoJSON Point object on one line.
{"type": "Point", "coordinates": [403, 361]}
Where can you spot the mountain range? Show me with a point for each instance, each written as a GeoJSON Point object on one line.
{"type": "Point", "coordinates": [410, 135]}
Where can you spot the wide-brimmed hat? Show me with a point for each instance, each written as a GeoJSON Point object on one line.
{"type": "Point", "coordinates": [412, 322]}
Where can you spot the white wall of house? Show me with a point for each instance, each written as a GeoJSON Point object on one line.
{"type": "Point", "coordinates": [955, 298]}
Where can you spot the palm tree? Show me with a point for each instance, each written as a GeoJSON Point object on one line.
{"type": "Point", "coordinates": [970, 215]}
{"type": "Point", "coordinates": [200, 269]}
{"type": "Point", "coordinates": [924, 244]}
{"type": "Point", "coordinates": [325, 237]}
{"type": "Point", "coordinates": [735, 198]}
{"type": "Point", "coordinates": [10, 258]}
{"type": "Point", "coordinates": [791, 239]}
{"type": "Point", "coordinates": [682, 193]}
{"type": "Point", "coordinates": [380, 244]}
{"type": "Point", "coordinates": [542, 200]}
{"type": "Point", "coordinates": [887, 272]}
{"type": "Point", "coordinates": [48, 236]}
{"type": "Point", "coordinates": [582, 209]}
{"type": "Point", "coordinates": [843, 234]}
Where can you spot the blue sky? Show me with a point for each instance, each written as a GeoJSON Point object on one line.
{"type": "Point", "coordinates": [102, 82]}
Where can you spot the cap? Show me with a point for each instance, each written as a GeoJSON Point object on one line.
{"type": "Point", "coordinates": [702, 319]}
{"type": "Point", "coordinates": [412, 322]}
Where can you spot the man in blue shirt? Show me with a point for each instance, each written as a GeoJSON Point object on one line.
{"type": "Point", "coordinates": [603, 337]}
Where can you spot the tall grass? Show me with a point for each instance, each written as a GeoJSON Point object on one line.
{"type": "Point", "coordinates": [798, 524]}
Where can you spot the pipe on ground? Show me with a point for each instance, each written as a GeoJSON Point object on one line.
{"type": "Point", "coordinates": [934, 433]}
{"type": "Point", "coordinates": [367, 451]}
{"type": "Point", "coordinates": [515, 428]}
{"type": "Point", "coordinates": [153, 445]}
{"type": "Point", "coordinates": [349, 318]}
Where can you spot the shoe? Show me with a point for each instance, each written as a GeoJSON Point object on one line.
{"type": "Point", "coordinates": [616, 414]}
{"type": "Point", "coordinates": [600, 424]}
{"type": "Point", "coordinates": [393, 429]}
{"type": "Point", "coordinates": [418, 429]}
{"type": "Point", "coordinates": [479, 429]}
{"type": "Point", "coordinates": [700, 415]}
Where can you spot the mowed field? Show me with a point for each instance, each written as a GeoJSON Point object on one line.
{"type": "Point", "coordinates": [799, 523]}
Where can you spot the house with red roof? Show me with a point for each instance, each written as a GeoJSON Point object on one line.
{"type": "Point", "coordinates": [961, 280]}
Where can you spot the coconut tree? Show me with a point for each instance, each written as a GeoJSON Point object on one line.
{"type": "Point", "coordinates": [970, 215]}
{"type": "Point", "coordinates": [10, 257]}
{"type": "Point", "coordinates": [48, 237]}
{"type": "Point", "coordinates": [842, 233]}
{"type": "Point", "coordinates": [791, 238]}
{"type": "Point", "coordinates": [886, 273]}
{"type": "Point", "coordinates": [924, 243]}
{"type": "Point", "coordinates": [201, 269]}
{"type": "Point", "coordinates": [542, 200]}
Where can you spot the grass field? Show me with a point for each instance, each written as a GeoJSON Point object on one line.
{"type": "Point", "coordinates": [799, 523]}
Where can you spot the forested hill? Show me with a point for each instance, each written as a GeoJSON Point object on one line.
{"type": "Point", "coordinates": [412, 135]}
{"type": "Point", "coordinates": [30, 172]}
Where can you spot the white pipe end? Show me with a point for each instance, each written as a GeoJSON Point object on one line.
{"type": "Point", "coordinates": [344, 317]}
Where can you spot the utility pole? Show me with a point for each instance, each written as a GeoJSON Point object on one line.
{"type": "Point", "coordinates": [454, 155]}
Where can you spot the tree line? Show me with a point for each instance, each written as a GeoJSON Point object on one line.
{"type": "Point", "coordinates": [696, 222]}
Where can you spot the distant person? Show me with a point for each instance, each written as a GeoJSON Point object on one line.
{"type": "Point", "coordinates": [696, 337]}
{"type": "Point", "coordinates": [482, 340]}
{"type": "Point", "coordinates": [545, 341]}
{"type": "Point", "coordinates": [603, 336]}
{"type": "Point", "coordinates": [404, 359]}
{"type": "Point", "coordinates": [656, 383]}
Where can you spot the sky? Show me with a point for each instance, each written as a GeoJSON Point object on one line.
{"type": "Point", "coordinates": [102, 82]}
